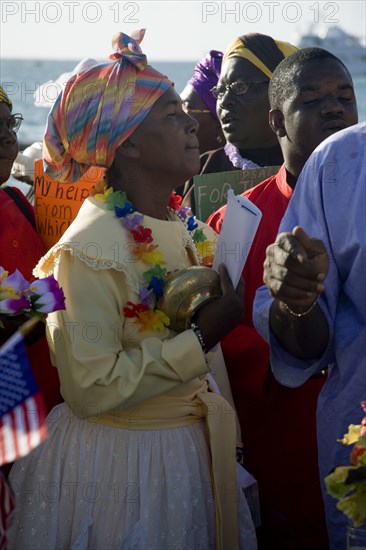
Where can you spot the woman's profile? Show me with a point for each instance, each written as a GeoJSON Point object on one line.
{"type": "Point", "coordinates": [141, 454]}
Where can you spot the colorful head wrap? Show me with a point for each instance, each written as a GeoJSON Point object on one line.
{"type": "Point", "coordinates": [99, 109]}
{"type": "Point", "coordinates": [261, 50]}
{"type": "Point", "coordinates": [205, 76]}
{"type": "Point", "coordinates": [4, 98]}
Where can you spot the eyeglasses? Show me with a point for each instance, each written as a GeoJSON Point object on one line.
{"type": "Point", "coordinates": [12, 122]}
{"type": "Point", "coordinates": [188, 110]}
{"type": "Point", "coordinates": [238, 88]}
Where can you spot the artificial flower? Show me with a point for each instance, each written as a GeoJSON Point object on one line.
{"type": "Point", "coordinates": [46, 295]}
{"type": "Point", "coordinates": [14, 306]}
{"type": "Point", "coordinates": [133, 221]}
{"type": "Point", "coordinates": [146, 314]}
{"type": "Point", "coordinates": [103, 196]}
{"type": "Point", "coordinates": [153, 319]}
{"type": "Point", "coordinates": [122, 211]}
{"type": "Point", "coordinates": [145, 296]}
{"type": "Point", "coordinates": [199, 236]}
{"type": "Point", "coordinates": [97, 190]}
{"type": "Point", "coordinates": [191, 223]}
{"type": "Point", "coordinates": [174, 201]}
{"type": "Point", "coordinates": [18, 296]}
{"type": "Point", "coordinates": [358, 455]}
{"type": "Point", "coordinates": [153, 257]}
{"type": "Point", "coordinates": [183, 212]}
{"type": "Point", "coordinates": [354, 507]}
{"type": "Point", "coordinates": [351, 436]}
{"type": "Point", "coordinates": [156, 271]}
{"type": "Point", "coordinates": [41, 286]}
{"type": "Point", "coordinates": [12, 293]}
{"type": "Point", "coordinates": [348, 483]}
{"type": "Point", "coordinates": [206, 248]}
{"type": "Point", "coordinates": [161, 321]}
{"type": "Point", "coordinates": [237, 160]}
{"type": "Point", "coordinates": [157, 286]}
{"type": "Point", "coordinates": [142, 234]}
{"type": "Point", "coordinates": [118, 198]}
{"type": "Point", "coordinates": [12, 286]}
{"type": "Point", "coordinates": [133, 310]}
{"type": "Point", "coordinates": [3, 273]}
{"type": "Point", "coordinates": [207, 261]}
{"type": "Point", "coordinates": [49, 301]}
{"type": "Point", "coordinates": [143, 249]}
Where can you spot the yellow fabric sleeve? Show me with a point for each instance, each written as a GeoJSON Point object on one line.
{"type": "Point", "coordinates": [97, 372]}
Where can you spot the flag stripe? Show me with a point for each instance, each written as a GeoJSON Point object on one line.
{"type": "Point", "coordinates": [22, 429]}
{"type": "Point", "coordinates": [22, 418]}
{"type": "Point", "coordinates": [36, 417]}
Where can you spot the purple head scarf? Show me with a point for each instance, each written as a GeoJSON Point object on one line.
{"type": "Point", "coordinates": [205, 76]}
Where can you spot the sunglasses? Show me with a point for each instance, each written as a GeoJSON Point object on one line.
{"type": "Point", "coordinates": [12, 122]}
{"type": "Point", "coordinates": [238, 88]}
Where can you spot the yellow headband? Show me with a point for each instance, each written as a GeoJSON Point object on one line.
{"type": "Point", "coordinates": [237, 49]}
{"type": "Point", "coordinates": [4, 98]}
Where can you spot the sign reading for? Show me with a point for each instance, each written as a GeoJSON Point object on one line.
{"type": "Point", "coordinates": [210, 190]}
{"type": "Point", "coordinates": [56, 204]}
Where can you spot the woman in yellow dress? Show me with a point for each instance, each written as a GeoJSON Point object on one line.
{"type": "Point", "coordinates": [141, 455]}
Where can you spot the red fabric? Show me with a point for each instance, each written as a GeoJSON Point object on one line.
{"type": "Point", "coordinates": [278, 423]}
{"type": "Point", "coordinates": [21, 248]}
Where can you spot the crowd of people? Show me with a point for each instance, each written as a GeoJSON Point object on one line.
{"type": "Point", "coordinates": [145, 448]}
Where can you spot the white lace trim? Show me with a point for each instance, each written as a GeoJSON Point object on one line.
{"type": "Point", "coordinates": [46, 265]}
{"type": "Point", "coordinates": [42, 269]}
{"type": "Point", "coordinates": [187, 238]}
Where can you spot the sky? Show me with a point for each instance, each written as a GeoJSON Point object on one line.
{"type": "Point", "coordinates": [175, 31]}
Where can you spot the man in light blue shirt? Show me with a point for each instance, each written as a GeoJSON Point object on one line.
{"type": "Point", "coordinates": [313, 309]}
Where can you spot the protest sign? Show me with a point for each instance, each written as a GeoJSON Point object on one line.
{"type": "Point", "coordinates": [210, 190]}
{"type": "Point", "coordinates": [56, 204]}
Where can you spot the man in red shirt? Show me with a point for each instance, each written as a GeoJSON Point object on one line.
{"type": "Point", "coordinates": [311, 96]}
{"type": "Point", "coordinates": [21, 248]}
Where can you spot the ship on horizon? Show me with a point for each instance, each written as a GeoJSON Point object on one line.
{"type": "Point", "coordinates": [341, 44]}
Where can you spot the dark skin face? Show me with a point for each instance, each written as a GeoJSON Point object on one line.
{"type": "Point", "coordinates": [320, 103]}
{"type": "Point", "coordinates": [8, 145]}
{"type": "Point", "coordinates": [244, 118]}
{"type": "Point", "coordinates": [160, 155]}
{"type": "Point", "coordinates": [209, 134]}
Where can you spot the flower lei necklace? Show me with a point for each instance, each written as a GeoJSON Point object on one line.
{"type": "Point", "coordinates": [146, 313]}
{"type": "Point", "coordinates": [237, 160]}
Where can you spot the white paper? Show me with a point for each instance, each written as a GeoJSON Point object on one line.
{"type": "Point", "coordinates": [238, 230]}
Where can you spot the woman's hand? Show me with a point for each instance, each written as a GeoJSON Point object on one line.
{"type": "Point", "coordinates": [217, 318]}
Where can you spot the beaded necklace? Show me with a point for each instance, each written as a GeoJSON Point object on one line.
{"type": "Point", "coordinates": [237, 160]}
{"type": "Point", "coordinates": [147, 315]}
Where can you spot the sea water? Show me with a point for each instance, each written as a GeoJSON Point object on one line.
{"type": "Point", "coordinates": [22, 77]}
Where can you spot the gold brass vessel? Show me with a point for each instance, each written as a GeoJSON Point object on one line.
{"type": "Point", "coordinates": [186, 291]}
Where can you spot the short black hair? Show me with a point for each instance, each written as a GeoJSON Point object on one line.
{"type": "Point", "coordinates": [283, 76]}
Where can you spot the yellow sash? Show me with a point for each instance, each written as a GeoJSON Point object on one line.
{"type": "Point", "coordinates": [176, 409]}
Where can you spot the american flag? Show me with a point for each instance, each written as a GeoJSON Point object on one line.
{"type": "Point", "coordinates": [22, 411]}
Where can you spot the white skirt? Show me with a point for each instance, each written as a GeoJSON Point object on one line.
{"type": "Point", "coordinates": [91, 486]}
